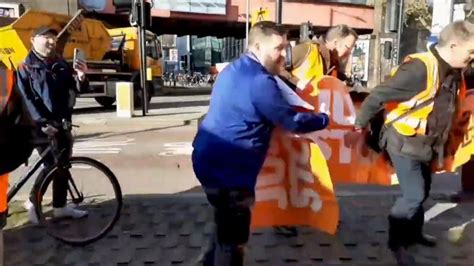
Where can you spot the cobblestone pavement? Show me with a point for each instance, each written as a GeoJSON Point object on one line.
{"type": "Point", "coordinates": [174, 230]}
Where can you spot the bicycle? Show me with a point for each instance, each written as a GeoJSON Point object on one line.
{"type": "Point", "coordinates": [64, 229]}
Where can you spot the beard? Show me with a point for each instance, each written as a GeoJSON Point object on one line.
{"type": "Point", "coordinates": [272, 66]}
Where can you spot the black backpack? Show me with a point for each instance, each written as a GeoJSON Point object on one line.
{"type": "Point", "coordinates": [17, 130]}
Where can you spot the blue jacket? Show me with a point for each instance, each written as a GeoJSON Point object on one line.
{"type": "Point", "coordinates": [232, 140]}
{"type": "Point", "coordinates": [45, 85]}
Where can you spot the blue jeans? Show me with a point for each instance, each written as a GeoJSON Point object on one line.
{"type": "Point", "coordinates": [407, 215]}
{"type": "Point", "coordinates": [415, 183]}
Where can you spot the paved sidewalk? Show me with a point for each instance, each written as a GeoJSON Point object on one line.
{"type": "Point", "coordinates": [174, 230]}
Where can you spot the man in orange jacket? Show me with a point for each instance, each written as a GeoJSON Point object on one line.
{"type": "Point", "coordinates": [422, 99]}
{"type": "Point", "coordinates": [16, 128]}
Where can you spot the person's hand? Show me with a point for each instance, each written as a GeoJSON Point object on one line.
{"type": "Point", "coordinates": [302, 83]}
{"type": "Point", "coordinates": [81, 68]}
{"type": "Point", "coordinates": [49, 130]}
{"type": "Point", "coordinates": [324, 108]}
{"type": "Point", "coordinates": [352, 138]}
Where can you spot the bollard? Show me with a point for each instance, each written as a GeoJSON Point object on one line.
{"type": "Point", "coordinates": [124, 94]}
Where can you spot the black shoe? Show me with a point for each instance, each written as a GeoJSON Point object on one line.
{"type": "Point", "coordinates": [403, 257]}
{"type": "Point", "coordinates": [426, 240]}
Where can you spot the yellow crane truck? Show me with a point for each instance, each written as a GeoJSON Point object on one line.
{"type": "Point", "coordinates": [112, 55]}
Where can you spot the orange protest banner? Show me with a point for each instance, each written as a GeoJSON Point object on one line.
{"type": "Point", "coordinates": [295, 186]}
{"type": "Point", "coordinates": [360, 165]}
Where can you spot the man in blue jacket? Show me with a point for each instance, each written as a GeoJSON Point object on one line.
{"type": "Point", "coordinates": [232, 141]}
{"type": "Point", "coordinates": [46, 81]}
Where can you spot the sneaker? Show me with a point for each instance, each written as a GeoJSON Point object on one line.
{"type": "Point", "coordinates": [30, 208]}
{"type": "Point", "coordinates": [69, 212]}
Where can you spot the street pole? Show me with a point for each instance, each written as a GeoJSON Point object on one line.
{"type": "Point", "coordinates": [189, 45]}
{"type": "Point", "coordinates": [247, 24]}
{"type": "Point", "coordinates": [400, 29]}
{"type": "Point", "coordinates": [279, 5]}
{"type": "Point", "coordinates": [142, 37]}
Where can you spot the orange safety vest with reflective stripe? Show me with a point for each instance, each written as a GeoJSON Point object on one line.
{"type": "Point", "coordinates": [3, 192]}
{"type": "Point", "coordinates": [415, 123]}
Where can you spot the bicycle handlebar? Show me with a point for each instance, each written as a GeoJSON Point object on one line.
{"type": "Point", "coordinates": [63, 125]}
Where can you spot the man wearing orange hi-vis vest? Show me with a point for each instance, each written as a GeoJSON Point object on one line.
{"type": "Point", "coordinates": [16, 133]}
{"type": "Point", "coordinates": [422, 102]}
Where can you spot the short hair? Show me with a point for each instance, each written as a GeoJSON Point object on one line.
{"type": "Point", "coordinates": [340, 31]}
{"type": "Point", "coordinates": [265, 29]}
{"type": "Point", "coordinates": [458, 30]}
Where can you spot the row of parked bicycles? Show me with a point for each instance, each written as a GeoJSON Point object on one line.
{"type": "Point", "coordinates": [196, 79]}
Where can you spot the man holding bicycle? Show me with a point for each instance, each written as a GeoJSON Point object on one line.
{"type": "Point", "coordinates": [45, 81]}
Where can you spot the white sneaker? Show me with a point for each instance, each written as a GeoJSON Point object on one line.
{"type": "Point", "coordinates": [30, 208]}
{"type": "Point", "coordinates": [69, 212]}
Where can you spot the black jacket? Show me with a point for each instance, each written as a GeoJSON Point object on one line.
{"type": "Point", "coordinates": [46, 86]}
{"type": "Point", "coordinates": [408, 81]}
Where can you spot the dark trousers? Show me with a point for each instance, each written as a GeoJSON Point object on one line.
{"type": "Point", "coordinates": [60, 178]}
{"type": "Point", "coordinates": [407, 214]}
{"type": "Point", "coordinates": [232, 215]}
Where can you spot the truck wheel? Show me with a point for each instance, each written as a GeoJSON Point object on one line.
{"type": "Point", "coordinates": [105, 101]}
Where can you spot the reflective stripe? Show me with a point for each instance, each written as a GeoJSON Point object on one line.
{"type": "Point", "coordinates": [409, 121]}
{"type": "Point", "coordinates": [3, 192]}
{"type": "Point", "coordinates": [417, 123]}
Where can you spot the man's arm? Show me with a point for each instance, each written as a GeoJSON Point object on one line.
{"type": "Point", "coordinates": [31, 101]}
{"type": "Point", "coordinates": [408, 81]}
{"type": "Point", "coordinates": [268, 100]}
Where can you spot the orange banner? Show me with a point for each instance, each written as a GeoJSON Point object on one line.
{"type": "Point", "coordinates": [295, 186]}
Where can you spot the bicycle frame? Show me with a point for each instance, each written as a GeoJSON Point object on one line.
{"type": "Point", "coordinates": [18, 185]}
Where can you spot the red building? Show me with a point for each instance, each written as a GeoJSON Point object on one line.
{"type": "Point", "coordinates": [227, 17]}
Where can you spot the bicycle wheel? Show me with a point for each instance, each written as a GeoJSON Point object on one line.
{"type": "Point", "coordinates": [91, 187]}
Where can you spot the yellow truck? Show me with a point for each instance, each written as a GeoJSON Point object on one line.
{"type": "Point", "coordinates": [112, 54]}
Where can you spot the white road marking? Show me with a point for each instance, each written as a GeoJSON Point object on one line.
{"type": "Point", "coordinates": [94, 146]}
{"type": "Point", "coordinates": [177, 148]}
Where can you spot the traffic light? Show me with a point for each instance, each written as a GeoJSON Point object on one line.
{"type": "Point", "coordinates": [122, 5]}
{"type": "Point", "coordinates": [306, 31]}
{"type": "Point", "coordinates": [391, 15]}
{"type": "Point", "coordinates": [134, 7]}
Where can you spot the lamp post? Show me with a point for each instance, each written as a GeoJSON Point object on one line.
{"type": "Point", "coordinates": [247, 24]}
{"type": "Point", "coordinates": [278, 13]}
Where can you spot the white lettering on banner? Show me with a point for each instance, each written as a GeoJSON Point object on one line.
{"type": "Point", "coordinates": [339, 103]}
{"type": "Point", "coordinates": [273, 193]}
{"type": "Point", "coordinates": [277, 175]}
{"type": "Point", "coordinates": [272, 177]}
{"type": "Point", "coordinates": [345, 154]}
{"type": "Point", "coordinates": [301, 197]}
{"type": "Point", "coordinates": [270, 180]}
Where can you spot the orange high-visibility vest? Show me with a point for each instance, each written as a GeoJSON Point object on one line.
{"type": "Point", "coordinates": [3, 193]}
{"type": "Point", "coordinates": [415, 123]}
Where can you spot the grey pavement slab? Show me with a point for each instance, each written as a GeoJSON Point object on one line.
{"type": "Point", "coordinates": [175, 230]}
